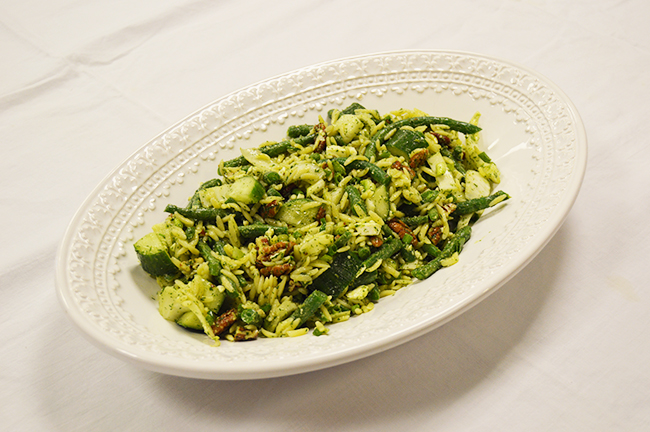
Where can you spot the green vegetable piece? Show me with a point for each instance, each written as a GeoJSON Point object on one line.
{"type": "Point", "coordinates": [257, 230]}
{"type": "Point", "coordinates": [213, 263]}
{"type": "Point", "coordinates": [246, 190]}
{"type": "Point", "coordinates": [351, 109]}
{"type": "Point", "coordinates": [429, 195]}
{"type": "Point", "coordinates": [357, 205]}
{"type": "Point", "coordinates": [198, 214]}
{"type": "Point", "coordinates": [273, 150]}
{"type": "Point", "coordinates": [404, 141]}
{"type": "Point", "coordinates": [407, 253]}
{"type": "Point", "coordinates": [195, 201]}
{"type": "Point", "coordinates": [366, 278]}
{"type": "Point", "coordinates": [413, 221]}
{"type": "Point", "coordinates": [309, 307]}
{"type": "Point", "coordinates": [381, 201]}
{"type": "Point", "coordinates": [250, 316]}
{"type": "Point", "coordinates": [431, 250]}
{"type": "Point", "coordinates": [277, 149]}
{"type": "Point", "coordinates": [339, 276]}
{"type": "Point", "coordinates": [477, 204]}
{"type": "Point", "coordinates": [272, 178]}
{"type": "Point", "coordinates": [455, 244]}
{"type": "Point", "coordinates": [463, 127]}
{"type": "Point", "coordinates": [371, 151]}
{"type": "Point", "coordinates": [190, 305]}
{"type": "Point", "coordinates": [299, 130]}
{"type": "Point", "coordinates": [484, 157]}
{"type": "Point", "coordinates": [376, 173]}
{"type": "Point", "coordinates": [374, 294]}
{"type": "Point", "coordinates": [190, 321]}
{"type": "Point", "coordinates": [433, 215]}
{"type": "Point", "coordinates": [458, 164]}
{"type": "Point", "coordinates": [390, 247]}
{"type": "Point", "coordinates": [153, 256]}
{"type": "Point", "coordinates": [342, 240]}
{"type": "Point", "coordinates": [338, 167]}
{"type": "Point", "coordinates": [219, 248]}
{"type": "Point", "coordinates": [292, 212]}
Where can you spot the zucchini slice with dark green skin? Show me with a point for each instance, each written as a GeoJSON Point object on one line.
{"type": "Point", "coordinates": [342, 272]}
{"type": "Point", "coordinates": [292, 213]}
{"type": "Point", "coordinates": [153, 256]}
{"type": "Point", "coordinates": [404, 141]}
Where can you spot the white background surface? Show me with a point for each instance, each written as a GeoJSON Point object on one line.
{"type": "Point", "coordinates": [564, 346]}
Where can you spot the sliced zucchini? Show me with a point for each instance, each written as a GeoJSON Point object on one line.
{"type": "Point", "coordinates": [153, 256]}
{"type": "Point", "coordinates": [342, 272]}
{"type": "Point", "coordinates": [348, 126]}
{"type": "Point", "coordinates": [293, 212]}
{"type": "Point", "coordinates": [404, 141]}
{"type": "Point", "coordinates": [476, 186]}
{"type": "Point", "coordinates": [381, 200]}
{"type": "Point", "coordinates": [189, 304]}
{"type": "Point", "coordinates": [246, 190]}
{"type": "Point", "coordinates": [189, 320]}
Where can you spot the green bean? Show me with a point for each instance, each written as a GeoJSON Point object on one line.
{"type": "Point", "coordinates": [213, 263]}
{"type": "Point", "coordinates": [431, 250]}
{"type": "Point", "coordinates": [273, 150]}
{"type": "Point", "coordinates": [256, 230]}
{"type": "Point", "coordinates": [484, 157]}
{"type": "Point", "coordinates": [357, 205]}
{"type": "Point", "coordinates": [342, 240]}
{"type": "Point", "coordinates": [455, 244]}
{"type": "Point", "coordinates": [299, 130]}
{"type": "Point", "coordinates": [309, 307]}
{"type": "Point", "coordinates": [236, 162]}
{"type": "Point", "coordinates": [414, 221]}
{"type": "Point", "coordinates": [198, 214]}
{"type": "Point", "coordinates": [371, 151]}
{"type": "Point", "coordinates": [390, 247]}
{"type": "Point", "coordinates": [476, 204]}
{"type": "Point", "coordinates": [407, 253]}
{"type": "Point", "coordinates": [376, 173]}
{"type": "Point", "coordinates": [219, 247]}
{"type": "Point", "coordinates": [463, 127]}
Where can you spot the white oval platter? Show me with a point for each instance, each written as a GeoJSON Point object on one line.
{"type": "Point", "coordinates": [530, 129]}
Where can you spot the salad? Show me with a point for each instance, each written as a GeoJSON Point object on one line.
{"type": "Point", "coordinates": [299, 234]}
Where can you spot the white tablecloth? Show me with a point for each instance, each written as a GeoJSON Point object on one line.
{"type": "Point", "coordinates": [563, 346]}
